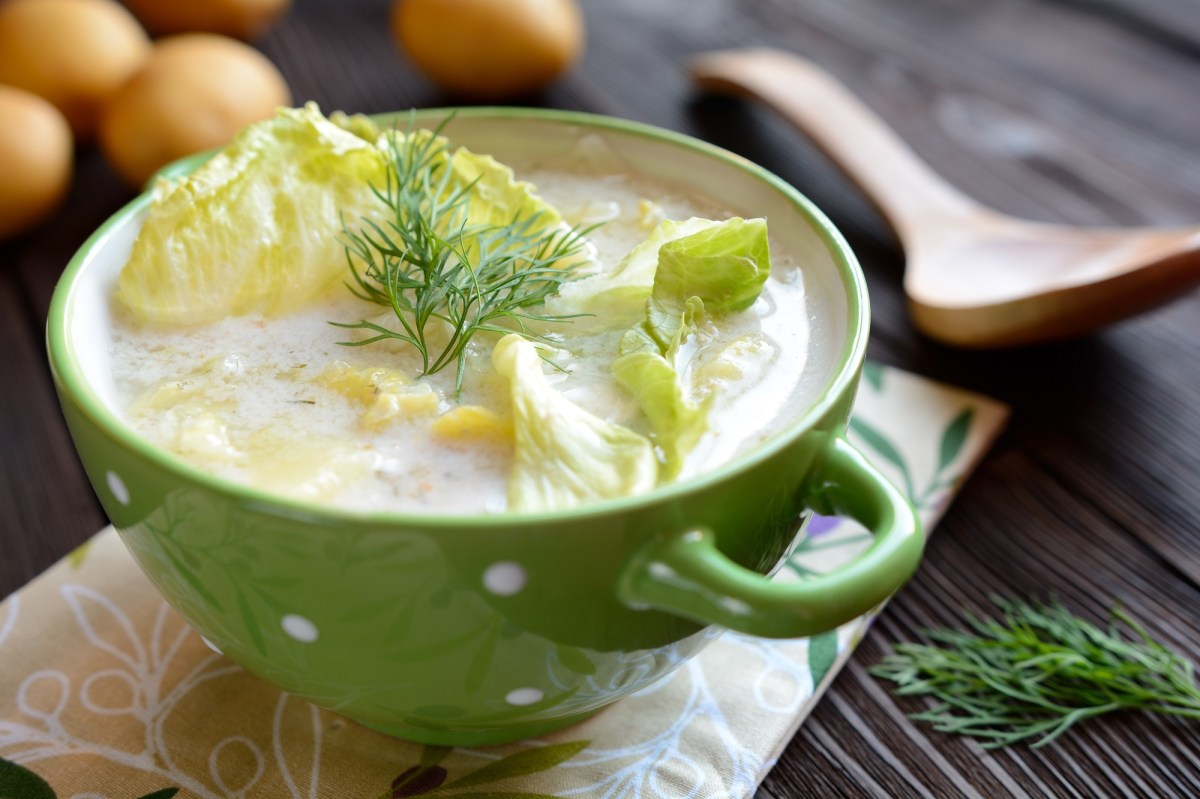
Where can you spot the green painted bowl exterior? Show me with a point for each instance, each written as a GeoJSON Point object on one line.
{"type": "Point", "coordinates": [444, 629]}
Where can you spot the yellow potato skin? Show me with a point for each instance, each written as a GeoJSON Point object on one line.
{"type": "Point", "coordinates": [194, 93]}
{"type": "Point", "coordinates": [74, 53]}
{"type": "Point", "coordinates": [489, 49]}
{"type": "Point", "coordinates": [36, 158]}
{"type": "Point", "coordinates": [243, 19]}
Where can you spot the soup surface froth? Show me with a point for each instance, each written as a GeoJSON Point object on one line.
{"type": "Point", "coordinates": [282, 404]}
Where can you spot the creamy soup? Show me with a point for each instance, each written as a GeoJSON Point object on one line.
{"type": "Point", "coordinates": [281, 402]}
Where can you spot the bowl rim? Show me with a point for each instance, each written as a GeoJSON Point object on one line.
{"type": "Point", "coordinates": [69, 377]}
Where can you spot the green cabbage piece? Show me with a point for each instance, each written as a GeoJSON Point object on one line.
{"type": "Point", "coordinates": [719, 270]}
{"type": "Point", "coordinates": [497, 206]}
{"type": "Point", "coordinates": [617, 298]}
{"type": "Point", "coordinates": [360, 125]}
{"type": "Point", "coordinates": [725, 265]}
{"type": "Point", "coordinates": [258, 227]}
{"type": "Point", "coordinates": [497, 197]}
{"type": "Point", "coordinates": [565, 456]}
{"type": "Point", "coordinates": [255, 228]}
{"type": "Point", "coordinates": [651, 374]}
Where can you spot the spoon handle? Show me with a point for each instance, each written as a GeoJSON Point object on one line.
{"type": "Point", "coordinates": [906, 191]}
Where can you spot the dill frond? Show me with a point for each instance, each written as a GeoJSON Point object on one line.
{"type": "Point", "coordinates": [1038, 671]}
{"type": "Point", "coordinates": [430, 266]}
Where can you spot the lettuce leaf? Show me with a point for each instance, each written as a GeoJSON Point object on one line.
{"type": "Point", "coordinates": [652, 375]}
{"type": "Point", "coordinates": [718, 270]}
{"type": "Point", "coordinates": [497, 197]}
{"type": "Point", "coordinates": [256, 228]}
{"type": "Point", "coordinates": [724, 265]}
{"type": "Point", "coordinates": [565, 456]}
{"type": "Point", "coordinates": [360, 125]}
{"type": "Point", "coordinates": [617, 298]}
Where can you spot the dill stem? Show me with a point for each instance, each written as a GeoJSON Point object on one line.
{"type": "Point", "coordinates": [1037, 673]}
{"type": "Point", "coordinates": [428, 262]}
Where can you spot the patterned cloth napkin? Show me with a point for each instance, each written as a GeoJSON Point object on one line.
{"type": "Point", "coordinates": [106, 694]}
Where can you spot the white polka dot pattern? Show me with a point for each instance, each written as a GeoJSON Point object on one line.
{"type": "Point", "coordinates": [524, 696]}
{"type": "Point", "coordinates": [504, 578]}
{"type": "Point", "coordinates": [300, 628]}
{"type": "Point", "coordinates": [117, 486]}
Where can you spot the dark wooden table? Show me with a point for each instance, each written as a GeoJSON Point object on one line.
{"type": "Point", "coordinates": [1060, 110]}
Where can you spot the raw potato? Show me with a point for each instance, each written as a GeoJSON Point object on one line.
{"type": "Point", "coordinates": [245, 19]}
{"type": "Point", "coordinates": [194, 93]}
{"type": "Point", "coordinates": [489, 49]}
{"type": "Point", "coordinates": [74, 53]}
{"type": "Point", "coordinates": [36, 151]}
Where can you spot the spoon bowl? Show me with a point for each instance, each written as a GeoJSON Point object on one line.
{"type": "Point", "coordinates": [974, 277]}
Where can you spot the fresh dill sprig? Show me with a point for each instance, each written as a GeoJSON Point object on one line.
{"type": "Point", "coordinates": [1037, 672]}
{"type": "Point", "coordinates": [444, 278]}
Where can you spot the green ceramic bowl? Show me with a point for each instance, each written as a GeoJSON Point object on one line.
{"type": "Point", "coordinates": [475, 630]}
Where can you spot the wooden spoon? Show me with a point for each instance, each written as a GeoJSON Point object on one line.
{"type": "Point", "coordinates": [975, 277]}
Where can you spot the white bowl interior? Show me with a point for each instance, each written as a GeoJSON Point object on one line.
{"type": "Point", "coordinates": [89, 321]}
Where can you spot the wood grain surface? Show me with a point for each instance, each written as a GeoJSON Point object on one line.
{"type": "Point", "coordinates": [1059, 110]}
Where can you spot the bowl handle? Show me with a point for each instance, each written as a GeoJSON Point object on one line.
{"type": "Point", "coordinates": [685, 574]}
